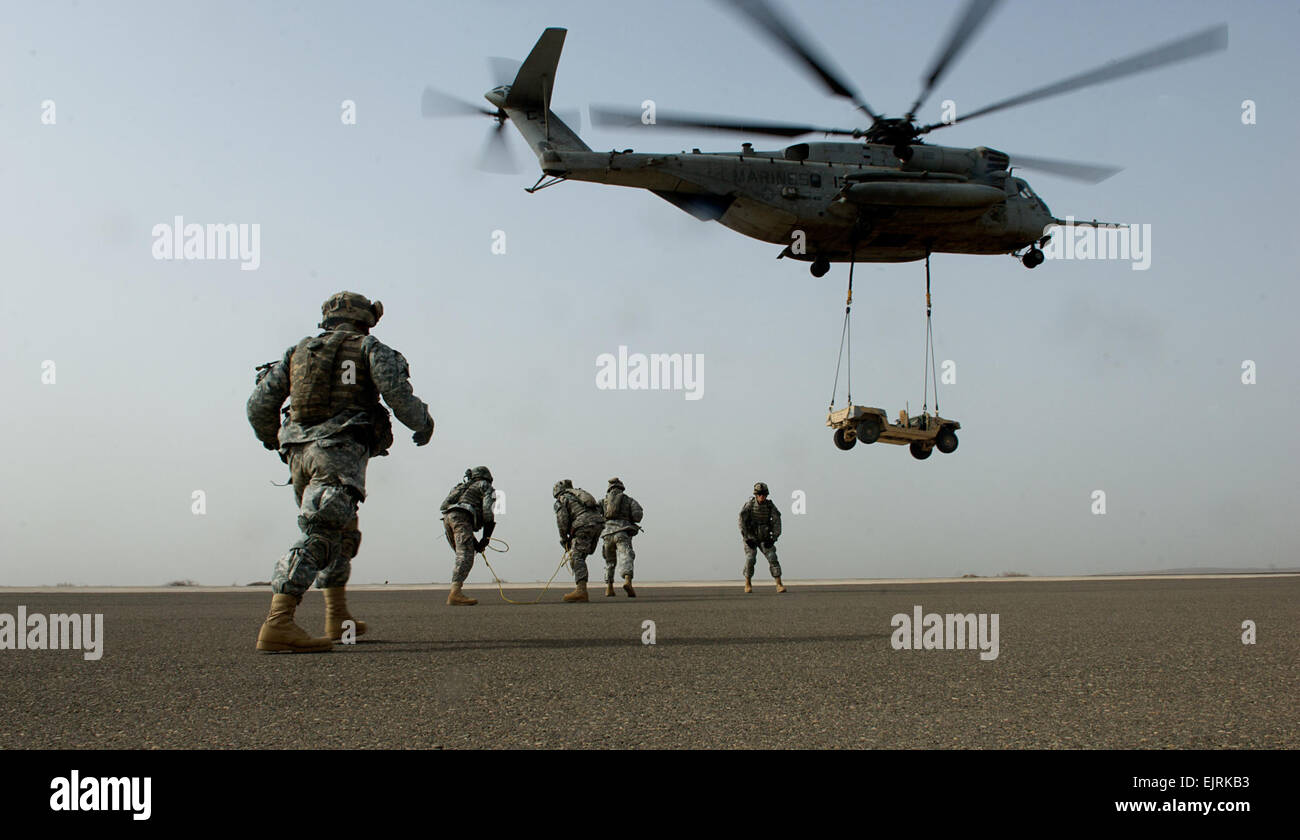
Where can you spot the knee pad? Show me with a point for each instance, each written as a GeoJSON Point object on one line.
{"type": "Point", "coordinates": [334, 508]}
{"type": "Point", "coordinates": [351, 542]}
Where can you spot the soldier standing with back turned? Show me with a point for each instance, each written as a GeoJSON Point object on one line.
{"type": "Point", "coordinates": [760, 527]}
{"type": "Point", "coordinates": [579, 519]}
{"type": "Point", "coordinates": [334, 425]}
{"type": "Point", "coordinates": [622, 513]}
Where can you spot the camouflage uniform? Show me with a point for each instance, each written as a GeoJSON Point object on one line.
{"type": "Point", "coordinates": [760, 527]}
{"type": "Point", "coordinates": [467, 508]}
{"type": "Point", "coordinates": [579, 527]}
{"type": "Point", "coordinates": [622, 512]}
{"type": "Point", "coordinates": [327, 460]}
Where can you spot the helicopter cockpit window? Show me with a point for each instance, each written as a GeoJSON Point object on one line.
{"type": "Point", "coordinates": [1025, 192]}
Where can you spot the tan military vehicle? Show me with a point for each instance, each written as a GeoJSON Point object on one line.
{"type": "Point", "coordinates": [921, 434]}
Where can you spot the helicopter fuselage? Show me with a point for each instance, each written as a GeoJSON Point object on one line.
{"type": "Point", "coordinates": [836, 201]}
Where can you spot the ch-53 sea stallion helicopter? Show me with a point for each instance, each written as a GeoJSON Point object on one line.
{"type": "Point", "coordinates": [892, 198]}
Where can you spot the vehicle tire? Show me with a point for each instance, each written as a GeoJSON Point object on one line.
{"type": "Point", "coordinates": [920, 451]}
{"type": "Point", "coordinates": [819, 267]}
{"type": "Point", "coordinates": [869, 430]}
{"type": "Point", "coordinates": [946, 441]}
{"type": "Point", "coordinates": [845, 439]}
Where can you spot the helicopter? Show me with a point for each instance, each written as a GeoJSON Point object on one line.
{"type": "Point", "coordinates": [887, 196]}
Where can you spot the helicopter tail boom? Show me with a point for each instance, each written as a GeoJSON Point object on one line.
{"type": "Point", "coordinates": [528, 103]}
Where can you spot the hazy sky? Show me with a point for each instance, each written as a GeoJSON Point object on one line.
{"type": "Point", "coordinates": [1071, 378]}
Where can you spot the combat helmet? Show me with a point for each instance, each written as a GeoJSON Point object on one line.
{"type": "Point", "coordinates": [350, 306]}
{"type": "Point", "coordinates": [617, 482]}
{"type": "Point", "coordinates": [760, 489]}
{"type": "Point", "coordinates": [561, 486]}
{"type": "Point", "coordinates": [479, 474]}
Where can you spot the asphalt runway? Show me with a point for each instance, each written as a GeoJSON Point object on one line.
{"type": "Point", "coordinates": [1081, 664]}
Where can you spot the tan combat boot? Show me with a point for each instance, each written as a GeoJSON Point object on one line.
{"type": "Point", "coordinates": [336, 612]}
{"type": "Point", "coordinates": [456, 598]}
{"type": "Point", "coordinates": [748, 587]}
{"type": "Point", "coordinates": [780, 587]}
{"type": "Point", "coordinates": [627, 586]}
{"type": "Point", "coordinates": [280, 633]}
{"type": "Point", "coordinates": [609, 589]}
{"type": "Point", "coordinates": [579, 594]}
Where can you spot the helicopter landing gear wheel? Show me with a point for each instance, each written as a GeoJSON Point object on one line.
{"type": "Point", "coordinates": [845, 439]}
{"type": "Point", "coordinates": [820, 266]}
{"type": "Point", "coordinates": [921, 451]}
{"type": "Point", "coordinates": [1032, 258]}
{"type": "Point", "coordinates": [946, 441]}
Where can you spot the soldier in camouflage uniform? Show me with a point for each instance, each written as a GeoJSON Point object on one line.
{"type": "Point", "coordinates": [467, 508]}
{"type": "Point", "coordinates": [332, 427]}
{"type": "Point", "coordinates": [622, 513]}
{"type": "Point", "coordinates": [579, 519]}
{"type": "Point", "coordinates": [760, 527]}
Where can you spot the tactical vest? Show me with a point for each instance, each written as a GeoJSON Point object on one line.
{"type": "Point", "coordinates": [471, 496]}
{"type": "Point", "coordinates": [583, 508]}
{"type": "Point", "coordinates": [620, 507]}
{"type": "Point", "coordinates": [760, 516]}
{"type": "Point", "coordinates": [330, 374]}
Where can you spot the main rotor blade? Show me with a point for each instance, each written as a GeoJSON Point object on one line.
{"type": "Point", "coordinates": [435, 103]}
{"type": "Point", "coordinates": [787, 35]}
{"type": "Point", "coordinates": [496, 156]}
{"type": "Point", "coordinates": [1210, 40]}
{"type": "Point", "coordinates": [1091, 173]}
{"type": "Point", "coordinates": [630, 118]}
{"type": "Point", "coordinates": [963, 31]}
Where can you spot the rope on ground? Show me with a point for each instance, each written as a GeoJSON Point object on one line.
{"type": "Point", "coordinates": [501, 590]}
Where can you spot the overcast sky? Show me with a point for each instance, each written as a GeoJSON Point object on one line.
{"type": "Point", "coordinates": [1071, 378]}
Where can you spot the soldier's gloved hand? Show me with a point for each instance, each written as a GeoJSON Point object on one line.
{"type": "Point", "coordinates": [481, 545]}
{"type": "Point", "coordinates": [422, 437]}
{"type": "Point", "coordinates": [751, 543]}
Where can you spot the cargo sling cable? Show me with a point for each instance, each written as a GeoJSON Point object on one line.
{"type": "Point", "coordinates": [846, 336]}
{"type": "Point", "coordinates": [504, 597]}
{"type": "Point", "coordinates": [846, 339]}
{"type": "Point", "coordinates": [929, 349]}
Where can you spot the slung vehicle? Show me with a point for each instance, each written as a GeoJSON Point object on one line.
{"type": "Point", "coordinates": [922, 435]}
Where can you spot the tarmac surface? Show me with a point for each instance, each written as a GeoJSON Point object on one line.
{"type": "Point", "coordinates": [1150, 663]}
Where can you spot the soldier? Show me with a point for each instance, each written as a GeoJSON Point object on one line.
{"type": "Point", "coordinates": [622, 513]}
{"type": "Point", "coordinates": [760, 526]}
{"type": "Point", "coordinates": [578, 516]}
{"type": "Point", "coordinates": [332, 427]}
{"type": "Point", "coordinates": [467, 508]}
